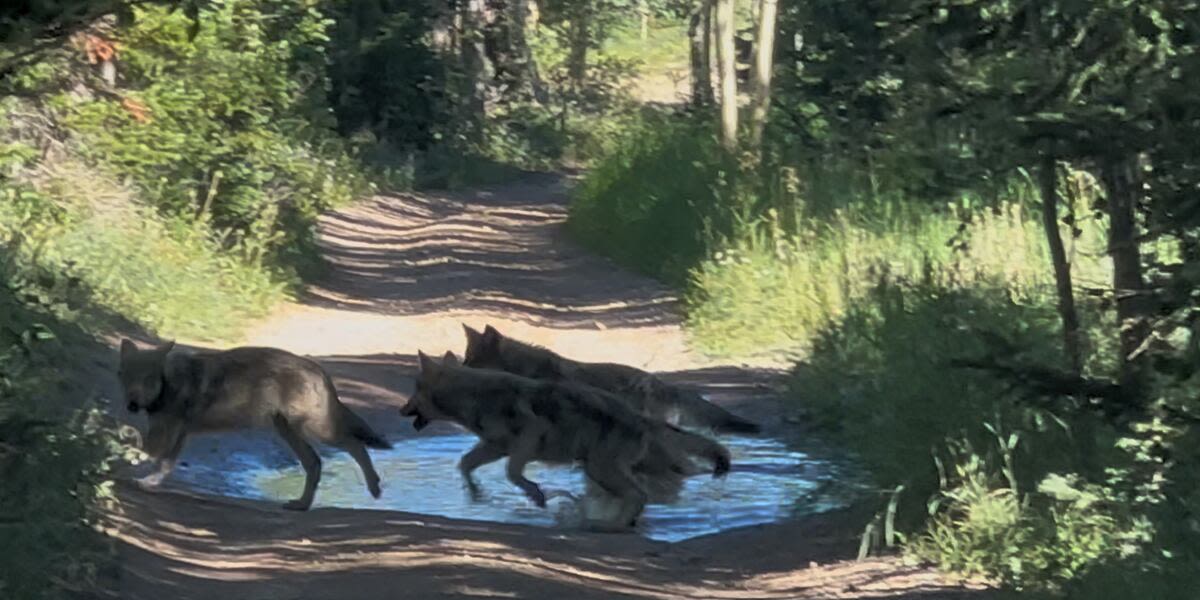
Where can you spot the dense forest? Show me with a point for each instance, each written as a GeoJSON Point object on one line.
{"type": "Point", "coordinates": [971, 227]}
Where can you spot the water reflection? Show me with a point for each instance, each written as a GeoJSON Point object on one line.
{"type": "Point", "coordinates": [769, 482]}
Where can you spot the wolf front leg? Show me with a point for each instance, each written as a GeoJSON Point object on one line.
{"type": "Point", "coordinates": [164, 442]}
{"type": "Point", "coordinates": [521, 453]}
{"type": "Point", "coordinates": [482, 454]}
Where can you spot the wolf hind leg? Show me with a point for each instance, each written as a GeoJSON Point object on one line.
{"type": "Point", "coordinates": [308, 459]}
{"type": "Point", "coordinates": [616, 480]}
{"type": "Point", "coordinates": [358, 451]}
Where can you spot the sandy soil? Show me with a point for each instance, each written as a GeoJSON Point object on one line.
{"type": "Point", "coordinates": [406, 271]}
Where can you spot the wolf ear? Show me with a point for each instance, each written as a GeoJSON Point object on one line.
{"type": "Point", "coordinates": [491, 335]}
{"type": "Point", "coordinates": [428, 365]}
{"type": "Point", "coordinates": [450, 360]}
{"type": "Point", "coordinates": [127, 347]}
{"type": "Point", "coordinates": [473, 334]}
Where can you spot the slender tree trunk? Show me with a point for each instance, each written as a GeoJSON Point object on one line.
{"type": "Point", "coordinates": [1072, 335]}
{"type": "Point", "coordinates": [710, 60]}
{"type": "Point", "coordinates": [701, 70]}
{"type": "Point", "coordinates": [580, 41]}
{"type": "Point", "coordinates": [1123, 188]}
{"type": "Point", "coordinates": [644, 19]}
{"type": "Point", "coordinates": [474, 63]}
{"type": "Point", "coordinates": [760, 75]}
{"type": "Point", "coordinates": [528, 82]}
{"type": "Point", "coordinates": [727, 67]}
{"type": "Point", "coordinates": [1082, 423]}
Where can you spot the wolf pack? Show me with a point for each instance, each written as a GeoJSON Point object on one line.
{"type": "Point", "coordinates": [635, 437]}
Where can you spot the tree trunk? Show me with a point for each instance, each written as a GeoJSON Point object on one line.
{"type": "Point", "coordinates": [701, 69]}
{"type": "Point", "coordinates": [760, 74]}
{"type": "Point", "coordinates": [727, 73]}
{"type": "Point", "coordinates": [1082, 423]}
{"type": "Point", "coordinates": [644, 19]}
{"type": "Point", "coordinates": [710, 60]}
{"type": "Point", "coordinates": [580, 41]}
{"type": "Point", "coordinates": [526, 79]}
{"type": "Point", "coordinates": [1072, 335]}
{"type": "Point", "coordinates": [1123, 188]}
{"type": "Point", "coordinates": [474, 66]}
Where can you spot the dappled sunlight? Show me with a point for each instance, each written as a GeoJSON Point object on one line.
{"type": "Point", "coordinates": [500, 251]}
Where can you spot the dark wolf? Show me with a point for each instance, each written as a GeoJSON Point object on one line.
{"type": "Point", "coordinates": [239, 389]}
{"type": "Point", "coordinates": [490, 349]}
{"type": "Point", "coordinates": [526, 420]}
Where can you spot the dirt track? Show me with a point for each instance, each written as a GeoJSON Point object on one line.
{"type": "Point", "coordinates": [406, 272]}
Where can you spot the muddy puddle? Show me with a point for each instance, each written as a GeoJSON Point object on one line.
{"type": "Point", "coordinates": [769, 483]}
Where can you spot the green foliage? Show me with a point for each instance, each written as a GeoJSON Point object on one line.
{"type": "Point", "coordinates": [385, 79]}
{"type": "Point", "coordinates": [658, 200]}
{"type": "Point", "coordinates": [881, 381]}
{"type": "Point", "coordinates": [56, 470]}
{"type": "Point", "coordinates": [770, 292]}
{"type": "Point", "coordinates": [226, 127]}
{"type": "Point", "coordinates": [879, 377]}
{"type": "Point", "coordinates": [79, 239]}
{"type": "Point", "coordinates": [984, 527]}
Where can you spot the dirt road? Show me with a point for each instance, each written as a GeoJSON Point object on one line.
{"type": "Point", "coordinates": [406, 271]}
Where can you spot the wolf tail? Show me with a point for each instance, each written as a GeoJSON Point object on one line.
{"type": "Point", "coordinates": [355, 426]}
{"type": "Point", "coordinates": [697, 445]}
{"type": "Point", "coordinates": [703, 413]}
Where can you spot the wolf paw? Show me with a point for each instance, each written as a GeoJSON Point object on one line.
{"type": "Point", "coordinates": [552, 494]}
{"type": "Point", "coordinates": [297, 505]}
{"type": "Point", "coordinates": [607, 527]}
{"type": "Point", "coordinates": [474, 492]}
{"type": "Point", "coordinates": [373, 487]}
{"type": "Point", "coordinates": [150, 482]}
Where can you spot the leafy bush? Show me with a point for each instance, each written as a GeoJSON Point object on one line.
{"type": "Point", "coordinates": [56, 470]}
{"type": "Point", "coordinates": [84, 239]}
{"type": "Point", "coordinates": [770, 291]}
{"type": "Point", "coordinates": [385, 80]}
{"type": "Point", "coordinates": [982, 525]}
{"type": "Point", "coordinates": [228, 128]}
{"type": "Point", "coordinates": [880, 379]}
{"type": "Point", "coordinates": [656, 202]}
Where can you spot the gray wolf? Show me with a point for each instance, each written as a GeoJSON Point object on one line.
{"type": "Point", "coordinates": [239, 389]}
{"type": "Point", "coordinates": [490, 349]}
{"type": "Point", "coordinates": [527, 419]}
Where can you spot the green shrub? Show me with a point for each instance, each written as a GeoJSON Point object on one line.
{"type": "Point", "coordinates": [879, 379]}
{"type": "Point", "coordinates": [228, 128]}
{"type": "Point", "coordinates": [56, 471]}
{"type": "Point", "coordinates": [655, 202]}
{"type": "Point", "coordinates": [769, 291]}
{"type": "Point", "coordinates": [983, 526]}
{"type": "Point", "coordinates": [86, 241]}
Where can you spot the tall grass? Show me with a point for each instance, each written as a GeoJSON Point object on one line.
{"type": "Point", "coordinates": [768, 257]}
{"type": "Point", "coordinates": [770, 292]}
{"type": "Point", "coordinates": [89, 236]}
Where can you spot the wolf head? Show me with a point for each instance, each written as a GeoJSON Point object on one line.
{"type": "Point", "coordinates": [142, 375]}
{"type": "Point", "coordinates": [421, 405]}
{"type": "Point", "coordinates": [483, 348]}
